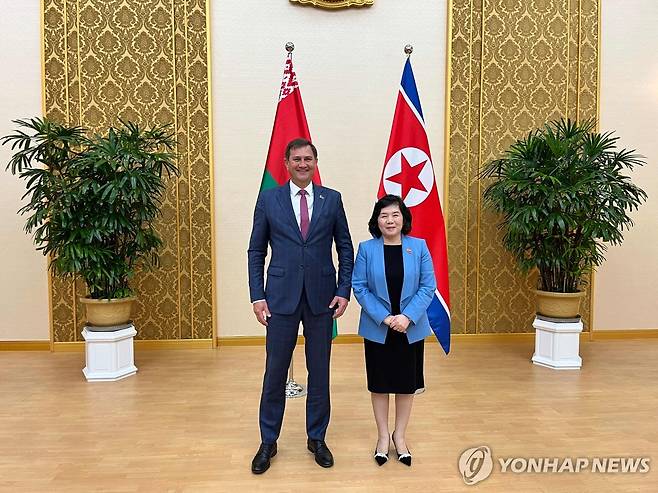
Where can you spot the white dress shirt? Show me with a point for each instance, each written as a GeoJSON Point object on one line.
{"type": "Point", "coordinates": [295, 198]}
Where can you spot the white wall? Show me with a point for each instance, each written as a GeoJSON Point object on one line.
{"type": "Point", "coordinates": [349, 64]}
{"type": "Point", "coordinates": [23, 284]}
{"type": "Point", "coordinates": [626, 285]}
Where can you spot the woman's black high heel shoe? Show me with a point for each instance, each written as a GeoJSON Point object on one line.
{"type": "Point", "coordinates": [404, 458]}
{"type": "Point", "coordinates": [380, 457]}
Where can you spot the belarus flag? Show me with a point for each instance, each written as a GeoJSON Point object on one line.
{"type": "Point", "coordinates": [409, 173]}
{"type": "Point", "coordinates": [289, 123]}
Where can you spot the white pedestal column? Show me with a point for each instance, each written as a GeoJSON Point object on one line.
{"type": "Point", "coordinates": [557, 344]}
{"type": "Point", "coordinates": [109, 355]}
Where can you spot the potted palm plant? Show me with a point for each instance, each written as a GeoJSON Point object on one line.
{"type": "Point", "coordinates": [91, 204]}
{"type": "Point", "coordinates": [564, 194]}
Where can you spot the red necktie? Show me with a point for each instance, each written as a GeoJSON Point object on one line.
{"type": "Point", "coordinates": [303, 213]}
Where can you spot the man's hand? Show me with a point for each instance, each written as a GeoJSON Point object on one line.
{"type": "Point", "coordinates": [399, 323]}
{"type": "Point", "coordinates": [261, 311]}
{"type": "Point", "coordinates": [340, 303]}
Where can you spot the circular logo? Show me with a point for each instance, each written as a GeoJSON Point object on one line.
{"type": "Point", "coordinates": [475, 464]}
{"type": "Point", "coordinates": [409, 174]}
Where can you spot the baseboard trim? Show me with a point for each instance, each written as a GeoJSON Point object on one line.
{"type": "Point", "coordinates": [357, 339]}
{"type": "Point", "coordinates": [348, 339]}
{"type": "Point", "coordinates": [500, 337]}
{"type": "Point", "coordinates": [487, 336]}
{"type": "Point", "coordinates": [229, 341]}
{"type": "Point", "coordinates": [174, 344]}
{"type": "Point", "coordinates": [145, 344]}
{"type": "Point", "coordinates": [598, 335]}
{"type": "Point", "coordinates": [24, 345]}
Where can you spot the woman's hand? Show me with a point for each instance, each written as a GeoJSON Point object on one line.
{"type": "Point", "coordinates": [387, 320]}
{"type": "Point", "coordinates": [399, 323]}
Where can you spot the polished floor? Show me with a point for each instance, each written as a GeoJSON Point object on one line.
{"type": "Point", "coordinates": [188, 422]}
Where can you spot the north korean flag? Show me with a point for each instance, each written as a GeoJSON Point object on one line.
{"type": "Point", "coordinates": [409, 173]}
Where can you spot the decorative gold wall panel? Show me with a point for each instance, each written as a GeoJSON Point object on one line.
{"type": "Point", "coordinates": [144, 61]}
{"type": "Point", "coordinates": [515, 65]}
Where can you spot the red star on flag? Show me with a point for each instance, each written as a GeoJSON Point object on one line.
{"type": "Point", "coordinates": [408, 177]}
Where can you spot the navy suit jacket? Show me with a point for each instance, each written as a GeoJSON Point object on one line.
{"type": "Point", "coordinates": [297, 264]}
{"type": "Point", "coordinates": [371, 290]}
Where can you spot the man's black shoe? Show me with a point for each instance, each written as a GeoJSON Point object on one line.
{"type": "Point", "coordinates": [322, 453]}
{"type": "Point", "coordinates": [261, 462]}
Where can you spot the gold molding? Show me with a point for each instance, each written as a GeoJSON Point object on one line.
{"type": "Point", "coordinates": [51, 323]}
{"type": "Point", "coordinates": [568, 46]}
{"type": "Point", "coordinates": [348, 339]}
{"type": "Point", "coordinates": [579, 43]}
{"type": "Point", "coordinates": [625, 334]}
{"type": "Point", "coordinates": [25, 345]}
{"type": "Point", "coordinates": [175, 112]}
{"type": "Point", "coordinates": [211, 156]}
{"type": "Point", "coordinates": [42, 51]}
{"type": "Point", "coordinates": [66, 74]}
{"type": "Point", "coordinates": [260, 340]}
{"type": "Point", "coordinates": [335, 4]}
{"type": "Point", "coordinates": [598, 67]}
{"type": "Point", "coordinates": [187, 156]}
{"type": "Point", "coordinates": [592, 282]}
{"type": "Point", "coordinates": [591, 304]}
{"type": "Point", "coordinates": [77, 34]}
{"type": "Point", "coordinates": [144, 344]}
{"type": "Point", "coordinates": [244, 341]}
{"type": "Point", "coordinates": [478, 258]}
{"type": "Point", "coordinates": [446, 117]}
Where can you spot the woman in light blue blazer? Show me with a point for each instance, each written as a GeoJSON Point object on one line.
{"type": "Point", "coordinates": [393, 281]}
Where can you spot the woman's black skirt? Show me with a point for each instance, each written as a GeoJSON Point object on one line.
{"type": "Point", "coordinates": [395, 367]}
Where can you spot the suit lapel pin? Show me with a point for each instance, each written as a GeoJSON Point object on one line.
{"type": "Point", "coordinates": [322, 196]}
{"type": "Point", "coordinates": [408, 250]}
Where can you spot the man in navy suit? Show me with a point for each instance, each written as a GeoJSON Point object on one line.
{"type": "Point", "coordinates": [300, 221]}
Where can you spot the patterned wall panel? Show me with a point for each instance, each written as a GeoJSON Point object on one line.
{"type": "Point", "coordinates": [144, 61]}
{"type": "Point", "coordinates": [514, 66]}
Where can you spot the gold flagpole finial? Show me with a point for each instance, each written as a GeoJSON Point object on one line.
{"type": "Point", "coordinates": [290, 46]}
{"type": "Point", "coordinates": [408, 50]}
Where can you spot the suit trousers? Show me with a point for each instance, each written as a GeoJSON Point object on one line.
{"type": "Point", "coordinates": [280, 342]}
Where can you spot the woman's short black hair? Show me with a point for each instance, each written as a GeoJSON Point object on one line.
{"type": "Point", "coordinates": [385, 201]}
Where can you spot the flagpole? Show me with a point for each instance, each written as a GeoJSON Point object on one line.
{"type": "Point", "coordinates": [293, 389]}
{"type": "Point", "coordinates": [409, 49]}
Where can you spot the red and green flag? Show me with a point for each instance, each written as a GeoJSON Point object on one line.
{"type": "Point", "coordinates": [289, 123]}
